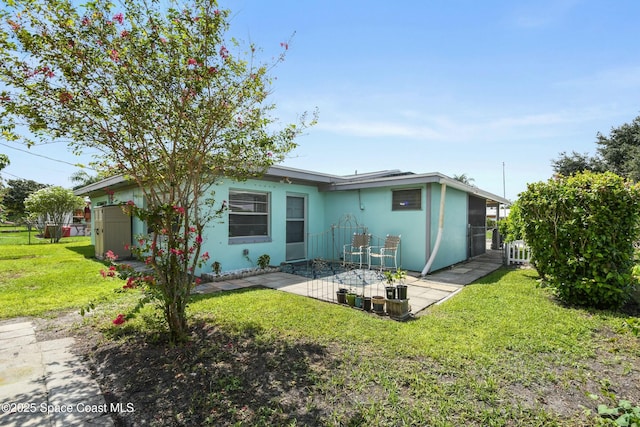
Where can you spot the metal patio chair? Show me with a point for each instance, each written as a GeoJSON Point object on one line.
{"type": "Point", "coordinates": [358, 248]}
{"type": "Point", "coordinates": [388, 251]}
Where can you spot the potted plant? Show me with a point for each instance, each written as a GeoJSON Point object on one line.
{"type": "Point", "coordinates": [378, 304]}
{"type": "Point", "coordinates": [341, 295]}
{"type": "Point", "coordinates": [366, 303]}
{"type": "Point", "coordinates": [401, 288]}
{"type": "Point", "coordinates": [359, 299]}
{"type": "Point", "coordinates": [390, 288]}
{"type": "Point", "coordinates": [398, 306]}
{"type": "Point", "coordinates": [263, 261]}
{"type": "Point", "coordinates": [394, 291]}
{"type": "Point", "coordinates": [351, 298]}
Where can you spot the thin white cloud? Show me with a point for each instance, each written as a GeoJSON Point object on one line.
{"type": "Point", "coordinates": [462, 128]}
{"type": "Point", "coordinates": [620, 78]}
{"type": "Point", "coordinates": [379, 129]}
{"type": "Point", "coordinates": [542, 13]}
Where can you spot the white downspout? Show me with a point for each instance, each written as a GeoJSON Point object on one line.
{"type": "Point", "coordinates": [432, 257]}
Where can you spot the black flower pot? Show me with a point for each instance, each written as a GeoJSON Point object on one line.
{"type": "Point", "coordinates": [401, 292]}
{"type": "Point", "coordinates": [391, 292]}
{"type": "Point", "coordinates": [341, 294]}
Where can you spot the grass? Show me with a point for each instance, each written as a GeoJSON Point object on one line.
{"type": "Point", "coordinates": [484, 357]}
{"type": "Point", "coordinates": [502, 352]}
{"type": "Point", "coordinates": [45, 277]}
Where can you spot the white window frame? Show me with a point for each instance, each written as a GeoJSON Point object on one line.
{"type": "Point", "coordinates": [267, 215]}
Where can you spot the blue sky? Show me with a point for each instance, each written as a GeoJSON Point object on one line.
{"type": "Point", "coordinates": [436, 86]}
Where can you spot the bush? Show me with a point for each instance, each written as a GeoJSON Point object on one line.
{"type": "Point", "coordinates": [581, 230]}
{"type": "Point", "coordinates": [512, 227]}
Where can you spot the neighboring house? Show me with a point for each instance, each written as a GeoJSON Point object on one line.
{"type": "Point", "coordinates": [295, 215]}
{"type": "Point", "coordinates": [494, 213]}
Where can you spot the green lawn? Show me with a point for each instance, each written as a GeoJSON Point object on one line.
{"type": "Point", "coordinates": [489, 356]}
{"type": "Point", "coordinates": [47, 277]}
{"type": "Point", "coordinates": [501, 352]}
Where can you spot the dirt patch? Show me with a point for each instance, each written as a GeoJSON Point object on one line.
{"type": "Point", "coordinates": [223, 378]}
{"type": "Point", "coordinates": [216, 379]}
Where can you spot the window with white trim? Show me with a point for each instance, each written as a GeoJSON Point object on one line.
{"type": "Point", "coordinates": [248, 216]}
{"type": "Point", "coordinates": [406, 200]}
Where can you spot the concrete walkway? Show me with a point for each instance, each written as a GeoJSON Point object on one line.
{"type": "Point", "coordinates": [44, 384]}
{"type": "Point", "coordinates": [422, 292]}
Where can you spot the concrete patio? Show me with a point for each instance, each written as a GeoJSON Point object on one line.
{"type": "Point", "coordinates": [422, 292]}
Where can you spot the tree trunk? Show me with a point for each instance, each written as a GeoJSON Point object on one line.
{"type": "Point", "coordinates": [176, 315]}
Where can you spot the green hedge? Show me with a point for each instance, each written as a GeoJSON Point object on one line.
{"type": "Point", "coordinates": [581, 230]}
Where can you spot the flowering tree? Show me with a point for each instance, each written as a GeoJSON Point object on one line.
{"type": "Point", "coordinates": [52, 205]}
{"type": "Point", "coordinates": [161, 93]}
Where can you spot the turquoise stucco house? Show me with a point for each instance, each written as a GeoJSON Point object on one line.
{"type": "Point", "coordinates": [296, 215]}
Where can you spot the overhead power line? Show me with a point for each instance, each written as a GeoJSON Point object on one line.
{"type": "Point", "coordinates": [47, 157]}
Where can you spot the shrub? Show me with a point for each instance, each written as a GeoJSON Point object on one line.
{"type": "Point", "coordinates": [581, 230]}
{"type": "Point", "coordinates": [512, 227]}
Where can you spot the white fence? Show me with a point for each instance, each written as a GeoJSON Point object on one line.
{"type": "Point", "coordinates": [517, 252]}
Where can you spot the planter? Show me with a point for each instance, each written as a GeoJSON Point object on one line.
{"type": "Point", "coordinates": [366, 303]}
{"type": "Point", "coordinates": [341, 295]}
{"type": "Point", "coordinates": [359, 301]}
{"type": "Point", "coordinates": [391, 292]}
{"type": "Point", "coordinates": [351, 300]}
{"type": "Point", "coordinates": [401, 292]}
{"type": "Point", "coordinates": [398, 308]}
{"type": "Point", "coordinates": [378, 304]}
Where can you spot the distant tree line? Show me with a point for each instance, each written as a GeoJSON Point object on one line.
{"type": "Point", "coordinates": [619, 152]}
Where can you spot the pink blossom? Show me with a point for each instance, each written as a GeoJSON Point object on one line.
{"type": "Point", "coordinates": [213, 70]}
{"type": "Point", "coordinates": [179, 210]}
{"type": "Point", "coordinates": [198, 239]}
{"type": "Point", "coordinates": [46, 71]}
{"type": "Point", "coordinates": [65, 97]}
{"type": "Point", "coordinates": [192, 229]}
{"type": "Point", "coordinates": [119, 18]}
{"type": "Point", "coordinates": [216, 12]}
{"type": "Point", "coordinates": [205, 256]}
{"type": "Point", "coordinates": [110, 256]}
{"type": "Point", "coordinates": [192, 61]}
{"type": "Point", "coordinates": [126, 247]}
{"type": "Point", "coordinates": [224, 53]}
{"type": "Point", "coordinates": [86, 21]}
{"type": "Point", "coordinates": [114, 55]}
{"type": "Point", "coordinates": [124, 33]}
{"type": "Point", "coordinates": [5, 98]}
{"type": "Point", "coordinates": [198, 280]}
{"type": "Point", "coordinates": [119, 320]}
{"type": "Point", "coordinates": [131, 283]}
{"type": "Point", "coordinates": [130, 203]}
{"type": "Point", "coordinates": [163, 40]}
{"type": "Point", "coordinates": [285, 45]}
{"type": "Point", "coordinates": [269, 154]}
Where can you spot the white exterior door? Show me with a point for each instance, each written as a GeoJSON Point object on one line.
{"type": "Point", "coordinates": [296, 228]}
